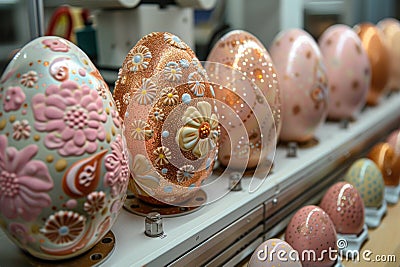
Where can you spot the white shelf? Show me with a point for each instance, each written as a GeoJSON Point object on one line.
{"type": "Point", "coordinates": [183, 233]}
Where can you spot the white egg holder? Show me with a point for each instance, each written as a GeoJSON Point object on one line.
{"type": "Point", "coordinates": [352, 242]}
{"type": "Point", "coordinates": [373, 216]}
{"type": "Point", "coordinates": [392, 194]}
{"type": "Point", "coordinates": [199, 231]}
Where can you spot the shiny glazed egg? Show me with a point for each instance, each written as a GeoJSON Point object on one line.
{"type": "Point", "coordinates": [170, 119]}
{"type": "Point", "coordinates": [391, 29]}
{"type": "Point", "coordinates": [348, 71]}
{"type": "Point", "coordinates": [274, 252]}
{"type": "Point", "coordinates": [303, 83]}
{"type": "Point", "coordinates": [311, 229]}
{"type": "Point", "coordinates": [345, 207]}
{"type": "Point", "coordinates": [366, 177]}
{"type": "Point", "coordinates": [374, 43]}
{"type": "Point", "coordinates": [388, 163]}
{"type": "Point", "coordinates": [63, 157]}
{"type": "Point", "coordinates": [243, 51]}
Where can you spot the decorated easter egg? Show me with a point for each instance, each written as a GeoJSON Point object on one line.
{"type": "Point", "coordinates": [348, 71]}
{"type": "Point", "coordinates": [63, 158]}
{"type": "Point", "coordinates": [241, 51]}
{"type": "Point", "coordinates": [388, 163]}
{"type": "Point", "coordinates": [394, 141]}
{"type": "Point", "coordinates": [391, 30]}
{"type": "Point", "coordinates": [248, 133]}
{"type": "Point", "coordinates": [345, 207]}
{"type": "Point", "coordinates": [366, 177]}
{"type": "Point", "coordinates": [274, 252]}
{"type": "Point", "coordinates": [303, 83]}
{"type": "Point", "coordinates": [374, 43]}
{"type": "Point", "coordinates": [170, 119]}
{"type": "Point", "coordinates": [310, 229]}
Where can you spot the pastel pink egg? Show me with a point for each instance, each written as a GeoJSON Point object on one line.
{"type": "Point", "coordinates": [303, 82]}
{"type": "Point", "coordinates": [348, 70]}
{"type": "Point", "coordinates": [311, 229]}
{"type": "Point", "coordinates": [345, 207]}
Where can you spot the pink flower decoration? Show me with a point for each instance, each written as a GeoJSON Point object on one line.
{"type": "Point", "coordinates": [13, 99]}
{"type": "Point", "coordinates": [21, 233]}
{"type": "Point", "coordinates": [117, 168]}
{"type": "Point", "coordinates": [23, 182]}
{"type": "Point", "coordinates": [56, 45]}
{"type": "Point", "coordinates": [116, 118]}
{"type": "Point", "coordinates": [72, 115]}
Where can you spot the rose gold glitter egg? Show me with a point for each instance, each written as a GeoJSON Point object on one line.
{"type": "Point", "coordinates": [171, 124]}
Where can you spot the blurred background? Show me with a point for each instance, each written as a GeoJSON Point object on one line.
{"type": "Point", "coordinates": [107, 29]}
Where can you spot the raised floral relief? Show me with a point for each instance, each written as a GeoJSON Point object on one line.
{"type": "Point", "coordinates": [163, 155]}
{"type": "Point", "coordinates": [157, 114]}
{"type": "Point", "coordinates": [200, 131]}
{"type": "Point", "coordinates": [72, 115]}
{"type": "Point", "coordinates": [172, 72]}
{"type": "Point", "coordinates": [117, 167]}
{"type": "Point", "coordinates": [169, 96]}
{"type": "Point", "coordinates": [13, 98]}
{"type": "Point", "coordinates": [64, 227]}
{"type": "Point", "coordinates": [174, 41]}
{"type": "Point", "coordinates": [196, 84]}
{"type": "Point", "coordinates": [138, 58]}
{"type": "Point", "coordinates": [56, 45]}
{"type": "Point", "coordinates": [146, 93]}
{"type": "Point", "coordinates": [94, 203]}
{"type": "Point", "coordinates": [185, 173]}
{"type": "Point", "coordinates": [116, 118]}
{"type": "Point", "coordinates": [29, 79]}
{"type": "Point", "coordinates": [24, 182]}
{"type": "Point", "coordinates": [21, 130]}
{"type": "Point", "coordinates": [141, 130]}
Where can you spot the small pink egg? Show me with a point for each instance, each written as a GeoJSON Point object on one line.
{"type": "Point", "coordinates": [311, 230]}
{"type": "Point", "coordinates": [345, 207]}
{"type": "Point", "coordinates": [348, 70]}
{"type": "Point", "coordinates": [303, 82]}
{"type": "Point", "coordinates": [244, 53]}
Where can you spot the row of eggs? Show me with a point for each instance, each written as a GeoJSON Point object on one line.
{"type": "Point", "coordinates": [339, 219]}
{"type": "Point", "coordinates": [69, 150]}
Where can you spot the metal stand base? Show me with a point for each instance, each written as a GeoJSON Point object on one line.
{"type": "Point", "coordinates": [374, 216]}
{"type": "Point", "coordinates": [138, 207]}
{"type": "Point", "coordinates": [353, 242]}
{"type": "Point", "coordinates": [94, 257]}
{"type": "Point", "coordinates": [392, 194]}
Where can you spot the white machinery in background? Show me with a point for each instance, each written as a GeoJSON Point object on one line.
{"type": "Point", "coordinates": [121, 23]}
